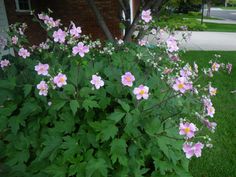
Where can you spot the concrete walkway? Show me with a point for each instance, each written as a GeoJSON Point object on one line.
{"type": "Point", "coordinates": [205, 41]}
{"type": "Point", "coordinates": [218, 21]}
{"type": "Point", "coordinates": [210, 41]}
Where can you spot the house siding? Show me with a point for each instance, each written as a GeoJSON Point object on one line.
{"type": "Point", "coordinates": [77, 11]}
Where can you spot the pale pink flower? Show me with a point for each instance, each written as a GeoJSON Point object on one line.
{"type": "Point", "coordinates": [172, 44]}
{"type": "Point", "coordinates": [60, 80]}
{"type": "Point", "coordinates": [212, 91]}
{"type": "Point", "coordinates": [127, 79]}
{"type": "Point", "coordinates": [141, 92]}
{"type": "Point", "coordinates": [43, 88]}
{"type": "Point", "coordinates": [210, 111]}
{"type": "Point", "coordinates": [215, 66]}
{"type": "Point", "coordinates": [142, 42]}
{"type": "Point", "coordinates": [42, 69]}
{"type": "Point", "coordinates": [146, 15]}
{"type": "Point", "coordinates": [193, 150]}
{"type": "Point", "coordinates": [186, 71]}
{"type": "Point", "coordinates": [23, 53]}
{"type": "Point", "coordinates": [97, 81]}
{"type": "Point", "coordinates": [210, 125]}
{"type": "Point", "coordinates": [207, 102]}
{"type": "Point", "coordinates": [14, 40]}
{"type": "Point", "coordinates": [4, 63]}
{"type": "Point", "coordinates": [75, 31]}
{"type": "Point", "coordinates": [187, 129]}
{"type": "Point", "coordinates": [81, 49]}
{"type": "Point", "coordinates": [229, 67]}
{"type": "Point", "coordinates": [59, 36]}
{"type": "Point", "coordinates": [182, 84]}
{"type": "Point", "coordinates": [154, 31]}
{"type": "Point", "coordinates": [44, 45]}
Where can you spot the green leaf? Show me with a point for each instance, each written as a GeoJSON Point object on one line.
{"type": "Point", "coordinates": [106, 129]}
{"type": "Point", "coordinates": [74, 105]}
{"type": "Point", "coordinates": [163, 166]}
{"type": "Point", "coordinates": [96, 166]}
{"type": "Point", "coordinates": [118, 151]}
{"type": "Point", "coordinates": [69, 89]}
{"type": "Point", "coordinates": [71, 147]}
{"type": "Point", "coordinates": [57, 104]}
{"type": "Point", "coordinates": [56, 171]}
{"type": "Point", "coordinates": [124, 105]}
{"type": "Point", "coordinates": [50, 144]}
{"type": "Point", "coordinates": [89, 104]}
{"type": "Point", "coordinates": [152, 127]}
{"type": "Point", "coordinates": [116, 116]}
{"type": "Point", "coordinates": [27, 89]}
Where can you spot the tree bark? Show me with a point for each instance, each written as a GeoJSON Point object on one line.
{"type": "Point", "coordinates": [100, 20]}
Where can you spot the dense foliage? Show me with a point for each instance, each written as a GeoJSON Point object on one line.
{"type": "Point", "coordinates": [76, 107]}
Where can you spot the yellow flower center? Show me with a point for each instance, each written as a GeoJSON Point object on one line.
{"type": "Point", "coordinates": [141, 92]}
{"type": "Point", "coordinates": [187, 130]}
{"type": "Point", "coordinates": [128, 79]}
{"type": "Point", "coordinates": [62, 79]}
{"type": "Point", "coordinates": [180, 86]}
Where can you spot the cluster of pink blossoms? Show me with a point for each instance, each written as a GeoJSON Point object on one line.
{"type": "Point", "coordinates": [172, 44]}
{"type": "Point", "coordinates": [142, 42]}
{"type": "Point", "coordinates": [49, 21]}
{"type": "Point", "coordinates": [24, 53]}
{"type": "Point", "coordinates": [191, 149]}
{"type": "Point", "coordinates": [59, 80]}
{"type": "Point", "coordinates": [187, 129]}
{"type": "Point", "coordinates": [4, 63]}
{"type": "Point", "coordinates": [127, 80]}
{"type": "Point", "coordinates": [146, 15]}
{"type": "Point", "coordinates": [208, 106]}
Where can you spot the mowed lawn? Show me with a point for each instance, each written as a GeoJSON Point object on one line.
{"type": "Point", "coordinates": [220, 161]}
{"type": "Point", "coordinates": [220, 27]}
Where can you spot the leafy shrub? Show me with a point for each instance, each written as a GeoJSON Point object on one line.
{"type": "Point", "coordinates": [76, 107]}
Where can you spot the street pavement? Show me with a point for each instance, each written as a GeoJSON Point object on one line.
{"type": "Point", "coordinates": [223, 14]}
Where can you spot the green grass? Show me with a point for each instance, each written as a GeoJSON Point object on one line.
{"type": "Point", "coordinates": [229, 8]}
{"type": "Point", "coordinates": [221, 27]}
{"type": "Point", "coordinates": [220, 161]}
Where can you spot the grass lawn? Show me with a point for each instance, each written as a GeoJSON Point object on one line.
{"type": "Point", "coordinates": [221, 27]}
{"type": "Point", "coordinates": [220, 161]}
{"type": "Point", "coordinates": [229, 8]}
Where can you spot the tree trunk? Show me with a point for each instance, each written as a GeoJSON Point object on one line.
{"type": "Point", "coordinates": [208, 8]}
{"type": "Point", "coordinates": [100, 20]}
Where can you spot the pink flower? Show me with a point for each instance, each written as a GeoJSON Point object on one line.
{"type": "Point", "coordinates": [97, 81]}
{"type": "Point", "coordinates": [81, 49]}
{"type": "Point", "coordinates": [142, 42]}
{"type": "Point", "coordinates": [60, 80]}
{"type": "Point", "coordinates": [207, 102]}
{"type": "Point", "coordinates": [229, 67]}
{"type": "Point", "coordinates": [187, 129]}
{"type": "Point", "coordinates": [42, 69]}
{"type": "Point", "coordinates": [186, 71]}
{"type": "Point", "coordinates": [23, 53]}
{"type": "Point", "coordinates": [146, 15]}
{"type": "Point", "coordinates": [43, 88]}
{"type": "Point", "coordinates": [127, 79]}
{"type": "Point", "coordinates": [212, 91]}
{"type": "Point", "coordinates": [215, 66]}
{"type": "Point", "coordinates": [4, 63]}
{"type": "Point", "coordinates": [193, 150]}
{"type": "Point", "coordinates": [75, 31]}
{"type": "Point", "coordinates": [210, 125]}
{"type": "Point", "coordinates": [141, 92]}
{"type": "Point", "coordinates": [14, 40]}
{"type": "Point", "coordinates": [59, 36]}
{"type": "Point", "coordinates": [182, 84]}
{"type": "Point", "coordinates": [210, 111]}
{"type": "Point", "coordinates": [172, 44]}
